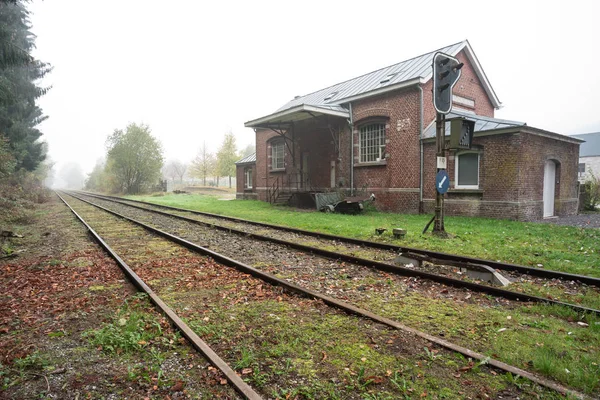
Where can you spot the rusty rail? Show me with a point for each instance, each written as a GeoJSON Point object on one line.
{"type": "Point", "coordinates": [242, 387]}
{"type": "Point", "coordinates": [395, 269]}
{"type": "Point", "coordinates": [347, 307]}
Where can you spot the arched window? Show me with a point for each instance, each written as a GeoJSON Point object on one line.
{"type": "Point", "coordinates": [372, 142]}
{"type": "Point", "coordinates": [466, 170]}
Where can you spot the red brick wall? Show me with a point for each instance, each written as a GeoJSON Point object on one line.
{"type": "Point", "coordinates": [241, 191]}
{"type": "Point", "coordinates": [511, 176]}
{"type": "Point", "coordinates": [535, 151]}
{"type": "Point", "coordinates": [395, 182]}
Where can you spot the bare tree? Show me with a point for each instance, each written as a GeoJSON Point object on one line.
{"type": "Point", "coordinates": [175, 169]}
{"type": "Point", "coordinates": [203, 165]}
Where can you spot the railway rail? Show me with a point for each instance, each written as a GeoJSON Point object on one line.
{"type": "Point", "coordinates": [426, 255]}
{"type": "Point", "coordinates": [236, 381]}
{"type": "Point", "coordinates": [378, 265]}
{"type": "Point", "coordinates": [342, 305]}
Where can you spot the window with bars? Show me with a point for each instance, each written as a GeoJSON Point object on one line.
{"type": "Point", "coordinates": [248, 178]}
{"type": "Point", "coordinates": [277, 151]}
{"type": "Point", "coordinates": [372, 142]}
{"type": "Point", "coordinates": [467, 170]}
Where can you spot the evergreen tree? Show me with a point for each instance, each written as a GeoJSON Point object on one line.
{"type": "Point", "coordinates": [19, 71]}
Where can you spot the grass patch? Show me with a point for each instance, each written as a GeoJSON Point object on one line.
{"type": "Point", "coordinates": [561, 248]}
{"type": "Point", "coordinates": [538, 337]}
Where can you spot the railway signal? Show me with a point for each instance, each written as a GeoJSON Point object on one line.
{"type": "Point", "coordinates": [446, 72]}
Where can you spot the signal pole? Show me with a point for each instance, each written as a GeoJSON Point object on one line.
{"type": "Point", "coordinates": [446, 72]}
{"type": "Point", "coordinates": [440, 128]}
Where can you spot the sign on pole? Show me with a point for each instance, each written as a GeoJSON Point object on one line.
{"type": "Point", "coordinates": [442, 182]}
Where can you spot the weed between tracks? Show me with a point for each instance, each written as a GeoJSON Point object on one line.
{"type": "Point", "coordinates": [561, 248]}
{"type": "Point", "coordinates": [63, 285]}
{"type": "Point", "coordinates": [288, 346]}
{"type": "Point", "coordinates": [531, 337]}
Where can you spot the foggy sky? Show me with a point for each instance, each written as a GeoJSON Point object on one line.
{"type": "Point", "coordinates": [196, 70]}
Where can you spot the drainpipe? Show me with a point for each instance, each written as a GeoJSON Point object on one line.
{"type": "Point", "coordinates": [421, 145]}
{"type": "Point", "coordinates": [351, 124]}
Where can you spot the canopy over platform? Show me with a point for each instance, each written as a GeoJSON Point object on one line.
{"type": "Point", "coordinates": [286, 118]}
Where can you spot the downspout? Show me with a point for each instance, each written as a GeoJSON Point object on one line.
{"type": "Point", "coordinates": [351, 124]}
{"type": "Point", "coordinates": [421, 145]}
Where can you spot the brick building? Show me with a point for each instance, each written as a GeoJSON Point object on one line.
{"type": "Point", "coordinates": [375, 134]}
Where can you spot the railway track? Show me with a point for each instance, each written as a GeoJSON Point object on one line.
{"type": "Point", "coordinates": [342, 305]}
{"type": "Point", "coordinates": [425, 255]}
{"type": "Point", "coordinates": [447, 277]}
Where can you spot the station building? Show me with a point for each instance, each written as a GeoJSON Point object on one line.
{"type": "Point", "coordinates": [376, 134]}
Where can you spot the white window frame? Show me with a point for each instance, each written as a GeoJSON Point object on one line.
{"type": "Point", "coordinates": [275, 157]}
{"type": "Point", "coordinates": [248, 177]}
{"type": "Point", "coordinates": [456, 159]}
{"type": "Point", "coordinates": [377, 144]}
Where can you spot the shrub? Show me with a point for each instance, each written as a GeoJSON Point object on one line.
{"type": "Point", "coordinates": [592, 192]}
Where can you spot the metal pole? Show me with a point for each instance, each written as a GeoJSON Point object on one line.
{"type": "Point", "coordinates": [438, 226]}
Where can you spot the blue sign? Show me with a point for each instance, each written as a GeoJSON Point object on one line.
{"type": "Point", "coordinates": [442, 182]}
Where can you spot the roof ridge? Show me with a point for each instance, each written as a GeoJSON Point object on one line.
{"type": "Point", "coordinates": [378, 69]}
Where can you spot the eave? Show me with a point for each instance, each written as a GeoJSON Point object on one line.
{"type": "Point", "coordinates": [287, 117]}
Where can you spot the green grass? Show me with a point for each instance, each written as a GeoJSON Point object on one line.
{"type": "Point", "coordinates": [328, 355]}
{"type": "Point", "coordinates": [561, 248]}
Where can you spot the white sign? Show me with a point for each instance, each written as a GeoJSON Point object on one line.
{"type": "Point", "coordinates": [441, 162]}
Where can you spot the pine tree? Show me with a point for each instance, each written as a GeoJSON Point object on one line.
{"type": "Point", "coordinates": [19, 71]}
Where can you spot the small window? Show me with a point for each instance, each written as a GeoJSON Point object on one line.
{"type": "Point", "coordinates": [581, 169]}
{"type": "Point", "coordinates": [372, 142]}
{"type": "Point", "coordinates": [467, 170]}
{"type": "Point", "coordinates": [248, 178]}
{"type": "Point", "coordinates": [277, 151]}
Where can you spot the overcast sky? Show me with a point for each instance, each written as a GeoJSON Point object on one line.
{"type": "Point", "coordinates": [195, 70]}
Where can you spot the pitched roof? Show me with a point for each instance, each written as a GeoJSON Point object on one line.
{"type": "Point", "coordinates": [247, 160]}
{"type": "Point", "coordinates": [591, 146]}
{"type": "Point", "coordinates": [481, 124]}
{"type": "Point", "coordinates": [405, 73]}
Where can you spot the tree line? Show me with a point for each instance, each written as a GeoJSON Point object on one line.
{"type": "Point", "coordinates": [22, 153]}
{"type": "Point", "coordinates": [134, 162]}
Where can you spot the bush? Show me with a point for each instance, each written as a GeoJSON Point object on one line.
{"type": "Point", "coordinates": [592, 192]}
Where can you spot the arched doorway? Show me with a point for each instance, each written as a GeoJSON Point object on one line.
{"type": "Point", "coordinates": [549, 188]}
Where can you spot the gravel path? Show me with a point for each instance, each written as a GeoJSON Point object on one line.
{"type": "Point", "coordinates": [580, 221]}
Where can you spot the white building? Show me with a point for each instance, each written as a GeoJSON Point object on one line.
{"type": "Point", "coordinates": [589, 155]}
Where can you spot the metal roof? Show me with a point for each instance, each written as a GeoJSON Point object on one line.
{"type": "Point", "coordinates": [247, 160]}
{"type": "Point", "coordinates": [300, 112]}
{"type": "Point", "coordinates": [591, 146]}
{"type": "Point", "coordinates": [482, 124]}
{"type": "Point", "coordinates": [418, 67]}
{"type": "Point", "coordinates": [413, 71]}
